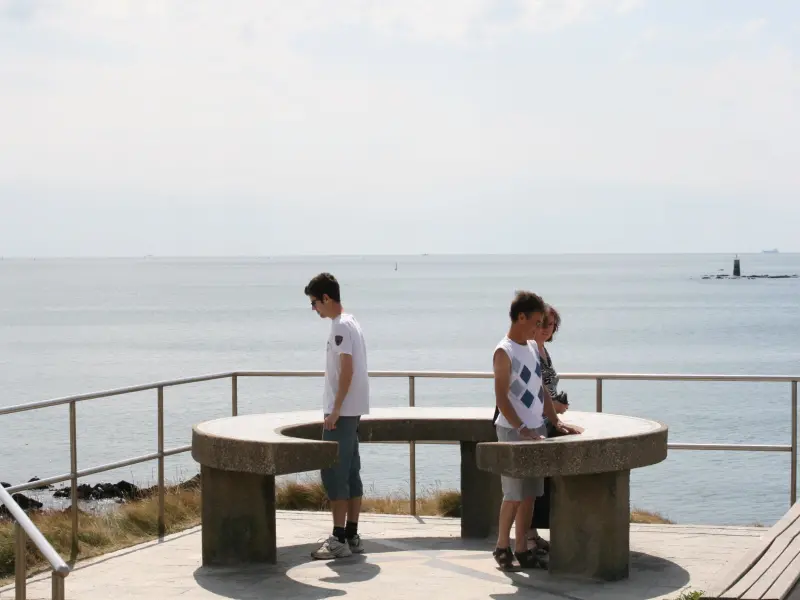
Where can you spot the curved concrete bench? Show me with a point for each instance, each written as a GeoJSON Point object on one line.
{"type": "Point", "coordinates": [590, 487]}
{"type": "Point", "coordinates": [240, 457]}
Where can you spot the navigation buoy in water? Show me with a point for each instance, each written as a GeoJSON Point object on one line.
{"type": "Point", "coordinates": [737, 271]}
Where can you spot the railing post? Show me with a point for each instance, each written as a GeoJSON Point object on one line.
{"type": "Point", "coordinates": [412, 457]}
{"type": "Point", "coordinates": [234, 395]}
{"type": "Point", "coordinates": [599, 396]}
{"type": "Point", "coordinates": [73, 468]}
{"type": "Point", "coordinates": [793, 488]}
{"type": "Point", "coordinates": [20, 562]}
{"type": "Point", "coordinates": [58, 586]}
{"type": "Point", "coordinates": [161, 524]}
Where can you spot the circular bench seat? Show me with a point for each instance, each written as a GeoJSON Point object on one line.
{"type": "Point", "coordinates": [240, 457]}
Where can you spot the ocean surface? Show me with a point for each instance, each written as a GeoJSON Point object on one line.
{"type": "Point", "coordinates": [70, 326]}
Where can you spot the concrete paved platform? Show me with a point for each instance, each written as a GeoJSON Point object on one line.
{"type": "Point", "coordinates": [406, 557]}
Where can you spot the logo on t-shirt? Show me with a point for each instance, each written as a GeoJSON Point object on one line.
{"type": "Point", "coordinates": [338, 339]}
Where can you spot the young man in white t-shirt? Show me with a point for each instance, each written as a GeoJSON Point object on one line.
{"type": "Point", "coordinates": [345, 399]}
{"type": "Point", "coordinates": [521, 404]}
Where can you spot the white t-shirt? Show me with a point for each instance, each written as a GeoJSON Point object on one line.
{"type": "Point", "coordinates": [346, 338]}
{"type": "Point", "coordinates": [525, 390]}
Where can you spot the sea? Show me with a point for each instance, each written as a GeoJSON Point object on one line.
{"type": "Point", "coordinates": [72, 326]}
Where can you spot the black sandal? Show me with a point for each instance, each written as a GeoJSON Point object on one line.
{"type": "Point", "coordinates": [504, 558]}
{"type": "Point", "coordinates": [541, 543]}
{"type": "Point", "coordinates": [531, 559]}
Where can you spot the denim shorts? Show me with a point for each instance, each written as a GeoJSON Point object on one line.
{"type": "Point", "coordinates": [342, 481]}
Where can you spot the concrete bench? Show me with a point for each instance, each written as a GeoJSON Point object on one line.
{"type": "Point", "coordinates": [240, 457]}
{"type": "Point", "coordinates": [590, 487]}
{"type": "Point", "coordinates": [770, 571]}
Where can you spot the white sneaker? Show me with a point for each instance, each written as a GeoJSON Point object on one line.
{"type": "Point", "coordinates": [332, 548]}
{"type": "Point", "coordinates": [356, 547]}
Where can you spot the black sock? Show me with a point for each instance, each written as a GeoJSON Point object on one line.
{"type": "Point", "coordinates": [338, 533]}
{"type": "Point", "coordinates": [351, 530]}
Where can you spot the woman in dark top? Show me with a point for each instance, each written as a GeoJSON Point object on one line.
{"type": "Point", "coordinates": [549, 375]}
{"type": "Point", "coordinates": [541, 512]}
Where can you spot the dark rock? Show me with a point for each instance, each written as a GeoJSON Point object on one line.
{"type": "Point", "coordinates": [127, 490]}
{"type": "Point", "coordinates": [102, 491]}
{"type": "Point", "coordinates": [121, 489]}
{"type": "Point", "coordinates": [61, 493]}
{"type": "Point", "coordinates": [84, 491]}
{"type": "Point", "coordinates": [24, 502]}
{"type": "Point", "coordinates": [726, 276]}
{"type": "Point", "coordinates": [190, 484]}
{"type": "Point", "coordinates": [41, 487]}
{"type": "Point", "coordinates": [4, 484]}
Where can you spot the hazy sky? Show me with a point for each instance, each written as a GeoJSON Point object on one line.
{"type": "Point", "coordinates": [201, 127]}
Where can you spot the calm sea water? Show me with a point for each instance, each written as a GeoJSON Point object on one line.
{"type": "Point", "coordinates": [73, 326]}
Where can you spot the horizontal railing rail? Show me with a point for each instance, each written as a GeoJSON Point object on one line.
{"type": "Point", "coordinates": [25, 530]}
{"type": "Point", "coordinates": [584, 376]}
{"type": "Point", "coordinates": [412, 376]}
{"type": "Point", "coordinates": [109, 393]}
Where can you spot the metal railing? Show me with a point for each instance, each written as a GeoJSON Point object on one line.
{"type": "Point", "coordinates": [25, 530]}
{"type": "Point", "coordinates": [74, 475]}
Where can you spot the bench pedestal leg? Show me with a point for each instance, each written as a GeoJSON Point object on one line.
{"type": "Point", "coordinates": [238, 517]}
{"type": "Point", "coordinates": [481, 496]}
{"type": "Point", "coordinates": [590, 525]}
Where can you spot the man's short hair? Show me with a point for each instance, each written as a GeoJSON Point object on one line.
{"type": "Point", "coordinates": [322, 284]}
{"type": "Point", "coordinates": [525, 303]}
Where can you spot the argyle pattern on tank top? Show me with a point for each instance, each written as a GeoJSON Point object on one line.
{"type": "Point", "coordinates": [523, 386]}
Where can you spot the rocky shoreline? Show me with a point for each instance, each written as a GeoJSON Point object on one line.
{"type": "Point", "coordinates": [104, 492]}
{"type": "Point", "coordinates": [726, 276]}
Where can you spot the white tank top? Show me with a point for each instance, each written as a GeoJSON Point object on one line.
{"type": "Point", "coordinates": [525, 390]}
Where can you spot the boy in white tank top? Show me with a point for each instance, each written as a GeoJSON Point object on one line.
{"type": "Point", "coordinates": [521, 405]}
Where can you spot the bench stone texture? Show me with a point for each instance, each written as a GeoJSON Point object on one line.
{"type": "Point", "coordinates": [590, 491]}
{"type": "Point", "coordinates": [609, 443]}
{"type": "Point", "coordinates": [770, 571]}
{"type": "Point", "coordinates": [240, 457]}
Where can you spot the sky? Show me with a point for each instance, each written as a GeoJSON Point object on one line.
{"type": "Point", "coordinates": [267, 127]}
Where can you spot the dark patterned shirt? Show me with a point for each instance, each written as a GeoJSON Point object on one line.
{"type": "Point", "coordinates": [549, 378]}
{"type": "Point", "coordinates": [549, 375]}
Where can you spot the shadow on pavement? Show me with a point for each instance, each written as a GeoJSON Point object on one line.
{"type": "Point", "coordinates": [297, 575]}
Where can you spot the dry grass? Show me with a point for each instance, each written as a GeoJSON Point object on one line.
{"type": "Point", "coordinates": [311, 496]}
{"type": "Point", "coordinates": [137, 521]}
{"type": "Point", "coordinates": [651, 518]}
{"type": "Point", "coordinates": [99, 533]}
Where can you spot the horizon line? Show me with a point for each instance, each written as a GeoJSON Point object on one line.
{"type": "Point", "coordinates": [371, 255]}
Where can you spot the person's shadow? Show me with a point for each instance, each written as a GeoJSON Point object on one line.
{"type": "Point", "coordinates": [298, 576]}
{"type": "Point", "coordinates": [672, 578]}
{"type": "Point", "coordinates": [354, 569]}
{"type": "Point", "coordinates": [259, 582]}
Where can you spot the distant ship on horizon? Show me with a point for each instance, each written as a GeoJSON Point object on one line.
{"type": "Point", "coordinates": [773, 251]}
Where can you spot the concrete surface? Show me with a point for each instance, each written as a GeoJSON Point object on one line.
{"type": "Point", "coordinates": [406, 558]}
{"type": "Point", "coordinates": [241, 455]}
{"type": "Point", "coordinates": [238, 516]}
{"type": "Point", "coordinates": [280, 443]}
{"type": "Point", "coordinates": [608, 443]}
{"type": "Point", "coordinates": [590, 524]}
